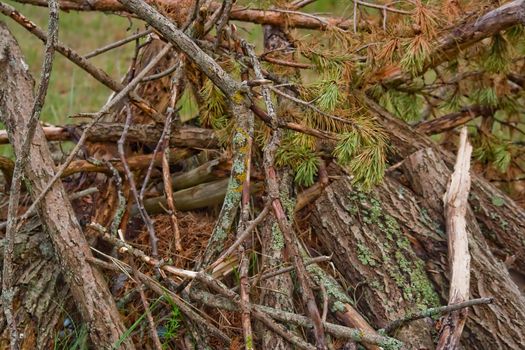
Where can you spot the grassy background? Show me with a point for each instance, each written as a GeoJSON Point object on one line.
{"type": "Point", "coordinates": [72, 90]}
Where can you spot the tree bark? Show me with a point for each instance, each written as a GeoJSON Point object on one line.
{"type": "Point", "coordinates": [40, 303]}
{"type": "Point", "coordinates": [501, 220]}
{"type": "Point", "coordinates": [87, 285]}
{"type": "Point", "coordinates": [190, 137]}
{"type": "Point", "coordinates": [390, 245]}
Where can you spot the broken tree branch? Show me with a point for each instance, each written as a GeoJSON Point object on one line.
{"type": "Point", "coordinates": [187, 136]}
{"type": "Point", "coordinates": [271, 17]}
{"type": "Point", "coordinates": [456, 204]}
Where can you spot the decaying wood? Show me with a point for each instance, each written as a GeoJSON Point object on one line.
{"type": "Point", "coordinates": [90, 292]}
{"type": "Point", "coordinates": [456, 203]}
{"type": "Point", "coordinates": [190, 137]}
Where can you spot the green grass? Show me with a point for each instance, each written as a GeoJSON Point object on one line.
{"type": "Point", "coordinates": [72, 90]}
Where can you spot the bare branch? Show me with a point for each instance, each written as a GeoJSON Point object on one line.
{"type": "Point", "coordinates": [456, 205]}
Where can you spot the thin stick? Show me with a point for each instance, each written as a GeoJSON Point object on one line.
{"type": "Point", "coordinates": [311, 106]}
{"type": "Point", "coordinates": [288, 317]}
{"type": "Point", "coordinates": [162, 74]}
{"type": "Point", "coordinates": [149, 317]}
{"type": "Point", "coordinates": [156, 287]}
{"type": "Point", "coordinates": [382, 7]}
{"type": "Point", "coordinates": [117, 44]}
{"type": "Point", "coordinates": [284, 225]}
{"type": "Point", "coordinates": [241, 237]}
{"type": "Point", "coordinates": [434, 312]}
{"type": "Point", "coordinates": [456, 205]}
{"type": "Point", "coordinates": [140, 205]}
{"type": "Point", "coordinates": [124, 247]}
{"type": "Point", "coordinates": [287, 63]}
{"type": "Point", "coordinates": [296, 5]}
{"type": "Point", "coordinates": [21, 162]}
{"type": "Point", "coordinates": [123, 93]}
{"type": "Point", "coordinates": [167, 181]}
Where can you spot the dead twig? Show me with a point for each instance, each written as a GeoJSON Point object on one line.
{"type": "Point", "coordinates": [284, 225]}
{"type": "Point", "coordinates": [155, 286]}
{"type": "Point", "coordinates": [117, 44]}
{"type": "Point", "coordinates": [456, 205]}
{"type": "Point", "coordinates": [434, 312]}
{"type": "Point", "coordinates": [129, 175]}
{"type": "Point", "coordinates": [147, 311]}
{"type": "Point", "coordinates": [241, 237]}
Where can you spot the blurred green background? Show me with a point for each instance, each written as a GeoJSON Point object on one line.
{"type": "Point", "coordinates": [73, 91]}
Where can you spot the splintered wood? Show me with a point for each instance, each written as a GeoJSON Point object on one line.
{"type": "Point", "coordinates": [456, 203]}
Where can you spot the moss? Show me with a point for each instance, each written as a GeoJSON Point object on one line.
{"type": "Point", "coordinates": [498, 201]}
{"type": "Point", "coordinates": [287, 202]}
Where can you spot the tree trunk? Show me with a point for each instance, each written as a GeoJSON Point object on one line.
{"type": "Point", "coordinates": [39, 289]}
{"type": "Point", "coordinates": [500, 219]}
{"type": "Point", "coordinates": [86, 283]}
{"type": "Point", "coordinates": [391, 246]}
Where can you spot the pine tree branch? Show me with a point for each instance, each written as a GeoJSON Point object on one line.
{"type": "Point", "coordinates": [462, 36]}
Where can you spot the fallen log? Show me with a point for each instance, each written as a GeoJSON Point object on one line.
{"type": "Point", "coordinates": [390, 245]}
{"type": "Point", "coordinates": [188, 137]}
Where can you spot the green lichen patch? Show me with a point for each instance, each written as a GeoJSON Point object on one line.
{"type": "Point", "coordinates": [498, 201]}
{"type": "Point", "coordinates": [277, 237]}
{"type": "Point", "coordinates": [396, 256]}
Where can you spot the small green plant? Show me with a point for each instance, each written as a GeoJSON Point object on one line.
{"type": "Point", "coordinates": [172, 325]}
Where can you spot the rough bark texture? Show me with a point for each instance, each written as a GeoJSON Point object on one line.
{"type": "Point", "coordinates": [374, 255]}
{"type": "Point", "coordinates": [87, 285]}
{"type": "Point", "coordinates": [501, 220]}
{"type": "Point", "coordinates": [278, 290]}
{"type": "Point", "coordinates": [390, 245]}
{"type": "Point", "coordinates": [40, 290]}
{"type": "Point", "coordinates": [501, 324]}
{"type": "Point", "coordinates": [148, 134]}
